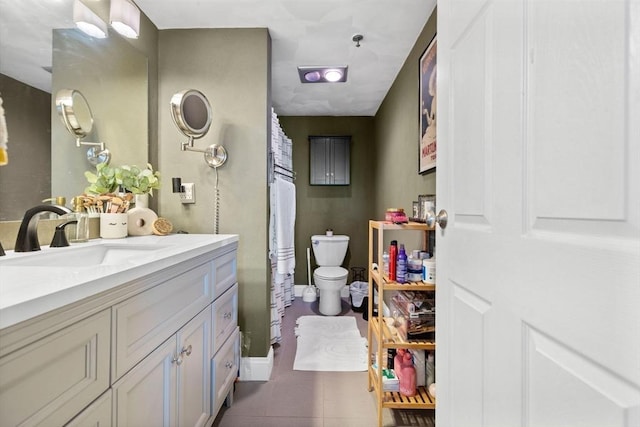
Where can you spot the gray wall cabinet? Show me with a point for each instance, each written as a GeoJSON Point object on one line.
{"type": "Point", "coordinates": [329, 160]}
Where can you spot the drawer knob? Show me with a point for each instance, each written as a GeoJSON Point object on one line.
{"type": "Point", "coordinates": [187, 350]}
{"type": "Point", "coordinates": [228, 365]}
{"type": "Point", "coordinates": [228, 315]}
{"type": "Point", "coordinates": [177, 360]}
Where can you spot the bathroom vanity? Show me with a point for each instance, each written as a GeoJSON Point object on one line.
{"type": "Point", "coordinates": [139, 331]}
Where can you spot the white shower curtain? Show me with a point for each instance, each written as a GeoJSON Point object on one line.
{"type": "Point", "coordinates": [282, 196]}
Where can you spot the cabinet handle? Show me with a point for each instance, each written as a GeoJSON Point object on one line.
{"type": "Point", "coordinates": [187, 350]}
{"type": "Point", "coordinates": [228, 315]}
{"type": "Point", "coordinates": [177, 360]}
{"type": "Point", "coordinates": [228, 365]}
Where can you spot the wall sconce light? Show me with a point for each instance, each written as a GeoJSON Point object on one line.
{"type": "Point", "coordinates": [124, 17]}
{"type": "Point", "coordinates": [87, 21]}
{"type": "Point", "coordinates": [323, 74]}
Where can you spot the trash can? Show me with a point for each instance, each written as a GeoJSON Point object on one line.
{"type": "Point", "coordinates": [358, 291]}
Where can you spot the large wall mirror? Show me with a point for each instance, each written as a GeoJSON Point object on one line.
{"type": "Point", "coordinates": [113, 76]}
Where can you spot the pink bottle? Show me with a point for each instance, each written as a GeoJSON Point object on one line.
{"type": "Point", "coordinates": [408, 376]}
{"type": "Point", "coordinates": [398, 360]}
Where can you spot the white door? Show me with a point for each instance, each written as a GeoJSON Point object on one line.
{"type": "Point", "coordinates": [538, 287]}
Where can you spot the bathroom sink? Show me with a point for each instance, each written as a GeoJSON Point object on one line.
{"type": "Point", "coordinates": [95, 255]}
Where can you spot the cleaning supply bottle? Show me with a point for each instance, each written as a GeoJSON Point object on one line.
{"type": "Point", "coordinates": [408, 376]}
{"type": "Point", "coordinates": [385, 263]}
{"type": "Point", "coordinates": [397, 361]}
{"type": "Point", "coordinates": [431, 369]}
{"type": "Point", "coordinates": [401, 265]}
{"type": "Point", "coordinates": [79, 232]}
{"type": "Point", "coordinates": [393, 258]}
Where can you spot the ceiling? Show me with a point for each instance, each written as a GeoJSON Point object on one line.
{"type": "Point", "coordinates": [303, 32]}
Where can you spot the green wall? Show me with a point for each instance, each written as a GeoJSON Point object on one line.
{"type": "Point", "coordinates": [232, 68]}
{"type": "Point", "coordinates": [345, 209]}
{"type": "Point", "coordinates": [397, 134]}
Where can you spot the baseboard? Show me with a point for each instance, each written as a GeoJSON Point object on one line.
{"type": "Point", "coordinates": [256, 368]}
{"type": "Point", "coordinates": [297, 291]}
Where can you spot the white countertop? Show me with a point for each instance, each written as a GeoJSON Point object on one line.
{"type": "Point", "coordinates": [29, 290]}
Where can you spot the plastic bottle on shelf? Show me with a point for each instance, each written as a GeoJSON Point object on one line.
{"type": "Point", "coordinates": [408, 376]}
{"type": "Point", "coordinates": [393, 258]}
{"type": "Point", "coordinates": [397, 361]}
{"type": "Point", "coordinates": [431, 369]}
{"type": "Point", "coordinates": [385, 263]}
{"type": "Point", "coordinates": [401, 265]}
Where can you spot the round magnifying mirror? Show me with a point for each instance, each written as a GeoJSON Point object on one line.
{"type": "Point", "coordinates": [75, 112]}
{"type": "Point", "coordinates": [191, 113]}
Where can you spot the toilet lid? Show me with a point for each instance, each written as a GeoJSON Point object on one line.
{"type": "Point", "coordinates": [331, 273]}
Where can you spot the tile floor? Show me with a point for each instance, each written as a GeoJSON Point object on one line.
{"type": "Point", "coordinates": [311, 399]}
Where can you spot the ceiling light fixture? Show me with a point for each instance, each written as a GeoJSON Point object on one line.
{"type": "Point", "coordinates": [125, 18]}
{"type": "Point", "coordinates": [87, 21]}
{"type": "Point", "coordinates": [323, 74]}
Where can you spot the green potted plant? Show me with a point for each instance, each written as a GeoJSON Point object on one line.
{"type": "Point", "coordinates": [131, 179]}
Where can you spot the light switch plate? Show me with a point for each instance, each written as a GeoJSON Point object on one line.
{"type": "Point", "coordinates": [188, 194]}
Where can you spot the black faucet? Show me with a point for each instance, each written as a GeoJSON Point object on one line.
{"type": "Point", "coordinates": [27, 239]}
{"type": "Point", "coordinates": [59, 237]}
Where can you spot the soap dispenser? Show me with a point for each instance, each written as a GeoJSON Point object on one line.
{"type": "Point", "coordinates": [79, 232]}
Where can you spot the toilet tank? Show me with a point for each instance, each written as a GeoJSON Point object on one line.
{"type": "Point", "coordinates": [329, 250]}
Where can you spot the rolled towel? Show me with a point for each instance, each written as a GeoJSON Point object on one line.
{"type": "Point", "coordinates": [4, 137]}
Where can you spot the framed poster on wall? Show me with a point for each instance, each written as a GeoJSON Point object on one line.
{"type": "Point", "coordinates": [428, 76]}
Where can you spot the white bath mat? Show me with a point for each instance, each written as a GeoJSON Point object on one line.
{"type": "Point", "coordinates": [331, 344]}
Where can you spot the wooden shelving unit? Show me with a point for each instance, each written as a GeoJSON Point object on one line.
{"type": "Point", "coordinates": [379, 336]}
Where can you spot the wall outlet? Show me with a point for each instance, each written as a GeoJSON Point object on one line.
{"type": "Point", "coordinates": [188, 194]}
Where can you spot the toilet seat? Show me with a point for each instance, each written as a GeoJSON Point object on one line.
{"type": "Point", "coordinates": [331, 273]}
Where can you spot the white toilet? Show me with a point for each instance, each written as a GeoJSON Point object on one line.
{"type": "Point", "coordinates": [329, 277]}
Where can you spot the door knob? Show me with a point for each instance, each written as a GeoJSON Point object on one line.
{"type": "Point", "coordinates": [441, 218]}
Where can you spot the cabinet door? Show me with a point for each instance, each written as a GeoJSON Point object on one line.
{"type": "Point", "coordinates": [193, 372]}
{"type": "Point", "coordinates": [50, 381]}
{"type": "Point", "coordinates": [319, 159]}
{"type": "Point", "coordinates": [340, 161]}
{"type": "Point", "coordinates": [146, 395]}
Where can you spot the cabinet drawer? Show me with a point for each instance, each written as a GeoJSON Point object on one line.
{"type": "Point", "coordinates": [225, 317]}
{"type": "Point", "coordinates": [224, 370]}
{"type": "Point", "coordinates": [50, 381]}
{"type": "Point", "coordinates": [225, 273]}
{"type": "Point", "coordinates": [143, 322]}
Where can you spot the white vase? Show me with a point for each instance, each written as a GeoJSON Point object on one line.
{"type": "Point", "coordinates": [141, 218]}
{"type": "Point", "coordinates": [113, 225]}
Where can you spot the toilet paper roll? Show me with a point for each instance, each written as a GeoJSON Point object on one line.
{"type": "Point", "coordinates": [141, 221]}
